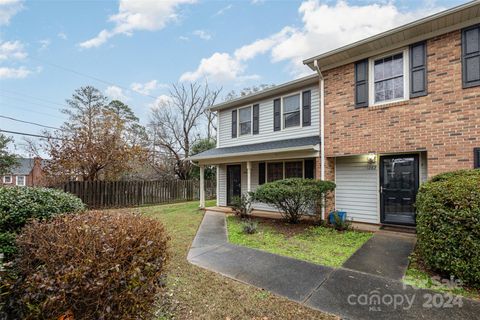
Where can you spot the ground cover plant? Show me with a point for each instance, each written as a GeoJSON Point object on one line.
{"type": "Point", "coordinates": [317, 244]}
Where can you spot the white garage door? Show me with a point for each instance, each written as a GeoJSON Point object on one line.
{"type": "Point", "coordinates": [357, 189]}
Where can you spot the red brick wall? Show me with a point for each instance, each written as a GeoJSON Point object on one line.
{"type": "Point", "coordinates": [445, 123]}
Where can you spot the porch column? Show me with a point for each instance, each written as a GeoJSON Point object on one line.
{"type": "Point", "coordinates": [249, 176]}
{"type": "Point", "coordinates": [202, 186]}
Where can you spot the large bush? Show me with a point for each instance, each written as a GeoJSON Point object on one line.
{"type": "Point", "coordinates": [448, 225]}
{"type": "Point", "coordinates": [96, 265]}
{"type": "Point", "coordinates": [293, 197]}
{"type": "Point", "coordinates": [20, 204]}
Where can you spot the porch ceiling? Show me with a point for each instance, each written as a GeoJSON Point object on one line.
{"type": "Point", "coordinates": [291, 148]}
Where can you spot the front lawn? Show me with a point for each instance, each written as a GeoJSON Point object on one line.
{"type": "Point", "coordinates": [319, 245]}
{"type": "Point", "coordinates": [195, 293]}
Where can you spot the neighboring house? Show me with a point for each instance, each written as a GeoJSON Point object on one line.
{"type": "Point", "coordinates": [28, 172]}
{"type": "Point", "coordinates": [379, 117]}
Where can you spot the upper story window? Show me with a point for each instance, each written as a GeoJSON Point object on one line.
{"type": "Point", "coordinates": [7, 179]}
{"type": "Point", "coordinates": [21, 180]}
{"type": "Point", "coordinates": [245, 120]}
{"type": "Point", "coordinates": [390, 78]}
{"type": "Point", "coordinates": [291, 111]}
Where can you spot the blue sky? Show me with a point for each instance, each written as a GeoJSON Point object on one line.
{"type": "Point", "coordinates": [137, 48]}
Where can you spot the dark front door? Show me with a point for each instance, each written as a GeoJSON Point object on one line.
{"type": "Point", "coordinates": [398, 189]}
{"type": "Point", "coordinates": [234, 182]}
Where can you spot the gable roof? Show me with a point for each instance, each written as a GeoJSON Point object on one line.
{"type": "Point", "coordinates": [24, 166]}
{"type": "Point", "coordinates": [446, 21]}
{"type": "Point", "coordinates": [258, 148]}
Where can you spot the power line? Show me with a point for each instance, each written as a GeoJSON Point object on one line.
{"type": "Point", "coordinates": [92, 77]}
{"type": "Point", "coordinates": [43, 113]}
{"type": "Point", "coordinates": [33, 97]}
{"type": "Point", "coordinates": [26, 100]}
{"type": "Point", "coordinates": [34, 123]}
{"type": "Point", "coordinates": [29, 134]}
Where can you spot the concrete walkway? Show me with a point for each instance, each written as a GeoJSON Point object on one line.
{"type": "Point", "coordinates": [347, 293]}
{"type": "Point", "coordinates": [383, 255]}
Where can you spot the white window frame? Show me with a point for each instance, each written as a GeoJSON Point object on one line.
{"type": "Point", "coordinates": [299, 93]}
{"type": "Point", "coordinates": [283, 169]}
{"type": "Point", "coordinates": [406, 77]}
{"type": "Point", "coordinates": [239, 131]}
{"type": "Point", "coordinates": [24, 181]}
{"type": "Point", "coordinates": [11, 179]}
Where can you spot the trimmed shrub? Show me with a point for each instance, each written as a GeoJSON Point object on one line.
{"type": "Point", "coordinates": [293, 197]}
{"type": "Point", "coordinates": [249, 226]}
{"type": "Point", "coordinates": [95, 265]}
{"type": "Point", "coordinates": [448, 225]}
{"type": "Point", "coordinates": [242, 206]}
{"type": "Point", "coordinates": [20, 204]}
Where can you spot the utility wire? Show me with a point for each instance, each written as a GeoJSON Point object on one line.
{"type": "Point", "coordinates": [43, 113]}
{"type": "Point", "coordinates": [27, 101]}
{"type": "Point", "coordinates": [29, 134]}
{"type": "Point", "coordinates": [91, 77]}
{"type": "Point", "coordinates": [34, 123]}
{"type": "Point", "coordinates": [32, 97]}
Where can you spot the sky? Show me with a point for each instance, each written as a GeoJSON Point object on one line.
{"type": "Point", "coordinates": [134, 50]}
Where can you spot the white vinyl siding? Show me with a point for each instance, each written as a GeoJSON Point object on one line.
{"type": "Point", "coordinates": [266, 132]}
{"type": "Point", "coordinates": [357, 189]}
{"type": "Point", "coordinates": [222, 185]}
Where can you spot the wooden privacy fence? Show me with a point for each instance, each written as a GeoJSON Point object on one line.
{"type": "Point", "coordinates": [107, 194]}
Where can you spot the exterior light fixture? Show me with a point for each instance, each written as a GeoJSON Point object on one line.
{"type": "Point", "coordinates": [372, 158]}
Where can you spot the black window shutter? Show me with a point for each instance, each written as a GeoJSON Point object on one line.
{"type": "Point", "coordinates": [418, 70]}
{"type": "Point", "coordinates": [471, 56]}
{"type": "Point", "coordinates": [476, 156]}
{"type": "Point", "coordinates": [276, 115]}
{"type": "Point", "coordinates": [309, 169]}
{"type": "Point", "coordinates": [234, 123]}
{"type": "Point", "coordinates": [361, 84]}
{"type": "Point", "coordinates": [306, 102]}
{"type": "Point", "coordinates": [261, 173]}
{"type": "Point", "coordinates": [256, 115]}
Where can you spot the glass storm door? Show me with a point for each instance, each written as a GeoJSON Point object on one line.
{"type": "Point", "coordinates": [399, 181]}
{"type": "Point", "coordinates": [234, 182]}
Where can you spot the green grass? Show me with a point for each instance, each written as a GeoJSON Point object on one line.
{"type": "Point", "coordinates": [418, 277]}
{"type": "Point", "coordinates": [319, 245]}
{"type": "Point", "coordinates": [195, 293]}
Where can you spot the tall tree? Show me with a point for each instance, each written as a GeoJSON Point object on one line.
{"type": "Point", "coordinates": [179, 122]}
{"type": "Point", "coordinates": [99, 141]}
{"type": "Point", "coordinates": [7, 159]}
{"type": "Point", "coordinates": [198, 147]}
{"type": "Point", "coordinates": [247, 91]}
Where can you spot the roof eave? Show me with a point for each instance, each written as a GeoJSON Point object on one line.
{"type": "Point", "coordinates": [378, 37]}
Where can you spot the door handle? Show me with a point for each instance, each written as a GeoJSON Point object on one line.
{"type": "Point", "coordinates": [381, 189]}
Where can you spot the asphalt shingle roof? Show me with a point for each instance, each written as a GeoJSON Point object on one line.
{"type": "Point", "coordinates": [257, 147]}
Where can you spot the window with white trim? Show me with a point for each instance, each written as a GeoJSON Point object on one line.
{"type": "Point", "coordinates": [291, 111]}
{"type": "Point", "coordinates": [389, 81]}
{"type": "Point", "coordinates": [21, 180]}
{"type": "Point", "coordinates": [245, 120]}
{"type": "Point", "coordinates": [7, 179]}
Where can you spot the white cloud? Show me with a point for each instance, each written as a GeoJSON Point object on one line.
{"type": "Point", "coordinates": [325, 27]}
{"type": "Point", "coordinates": [62, 35]}
{"type": "Point", "coordinates": [183, 38]}
{"type": "Point", "coordinates": [223, 10]}
{"type": "Point", "coordinates": [12, 50]}
{"type": "Point", "coordinates": [115, 93]}
{"type": "Point", "coordinates": [202, 34]}
{"type": "Point", "coordinates": [14, 73]}
{"type": "Point", "coordinates": [147, 87]}
{"type": "Point", "coordinates": [44, 44]}
{"type": "Point", "coordinates": [9, 8]}
{"type": "Point", "coordinates": [149, 15]}
{"type": "Point", "coordinates": [161, 101]}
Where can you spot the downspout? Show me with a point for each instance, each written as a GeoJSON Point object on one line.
{"type": "Point", "coordinates": [322, 126]}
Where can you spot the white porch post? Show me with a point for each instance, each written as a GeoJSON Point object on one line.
{"type": "Point", "coordinates": [202, 186]}
{"type": "Point", "coordinates": [249, 176]}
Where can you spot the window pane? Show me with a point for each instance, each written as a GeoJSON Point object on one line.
{"type": "Point", "coordinates": [245, 114]}
{"type": "Point", "coordinates": [274, 171]}
{"type": "Point", "coordinates": [388, 82]}
{"type": "Point", "coordinates": [292, 119]}
{"type": "Point", "coordinates": [293, 169]}
{"type": "Point", "coordinates": [291, 103]}
{"type": "Point", "coordinates": [245, 128]}
{"type": "Point", "coordinates": [20, 180]}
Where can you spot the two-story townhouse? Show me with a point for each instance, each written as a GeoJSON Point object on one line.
{"type": "Point", "coordinates": [393, 110]}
